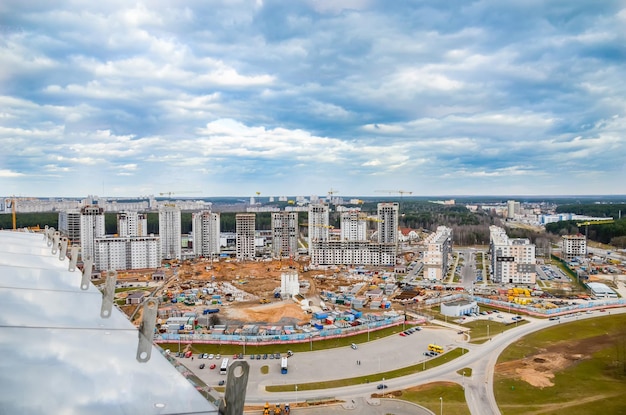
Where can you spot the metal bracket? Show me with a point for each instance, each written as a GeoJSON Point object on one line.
{"type": "Point", "coordinates": [55, 242]}
{"type": "Point", "coordinates": [73, 258]}
{"type": "Point", "coordinates": [87, 267]}
{"type": "Point", "coordinates": [109, 292]}
{"type": "Point", "coordinates": [236, 384]}
{"type": "Point", "coordinates": [146, 329]}
{"type": "Point", "coordinates": [63, 250]}
{"type": "Point", "coordinates": [48, 236]}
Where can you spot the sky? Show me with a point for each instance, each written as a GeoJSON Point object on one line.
{"type": "Point", "coordinates": [358, 97]}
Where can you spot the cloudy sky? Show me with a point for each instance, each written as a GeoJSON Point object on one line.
{"type": "Point", "coordinates": [233, 97]}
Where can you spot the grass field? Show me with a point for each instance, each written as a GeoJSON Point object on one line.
{"type": "Point", "coordinates": [574, 368]}
{"type": "Point", "coordinates": [452, 397]}
{"type": "Point", "coordinates": [482, 330]}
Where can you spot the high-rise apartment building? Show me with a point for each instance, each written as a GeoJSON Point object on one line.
{"type": "Point", "coordinates": [132, 224]}
{"type": "Point", "coordinates": [388, 223]}
{"type": "Point", "coordinates": [245, 226]}
{"type": "Point", "coordinates": [318, 222]}
{"type": "Point", "coordinates": [170, 231]}
{"type": "Point", "coordinates": [205, 228]}
{"type": "Point", "coordinates": [513, 208]}
{"type": "Point", "coordinates": [285, 234]}
{"type": "Point", "coordinates": [353, 226]}
{"type": "Point", "coordinates": [574, 246]}
{"type": "Point", "coordinates": [512, 260]}
{"type": "Point", "coordinates": [91, 227]}
{"type": "Point", "coordinates": [69, 225]}
{"type": "Point", "coordinates": [354, 248]}
{"type": "Point", "coordinates": [128, 252]}
{"type": "Point", "coordinates": [438, 249]}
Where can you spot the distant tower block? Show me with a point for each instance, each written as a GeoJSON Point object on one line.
{"type": "Point", "coordinates": [289, 284]}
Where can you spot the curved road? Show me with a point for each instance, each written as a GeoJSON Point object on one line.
{"type": "Point", "coordinates": [386, 354]}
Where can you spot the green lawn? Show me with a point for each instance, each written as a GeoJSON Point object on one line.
{"type": "Point", "coordinates": [452, 398]}
{"type": "Point", "coordinates": [482, 330]}
{"type": "Point", "coordinates": [592, 381]}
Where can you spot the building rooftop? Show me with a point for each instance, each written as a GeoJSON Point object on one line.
{"type": "Point", "coordinates": [50, 325]}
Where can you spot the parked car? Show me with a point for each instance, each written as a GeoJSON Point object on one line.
{"type": "Point", "coordinates": [381, 386]}
{"type": "Point", "coordinates": [276, 355]}
{"type": "Point", "coordinates": [265, 356]}
{"type": "Point", "coordinates": [354, 346]}
{"type": "Point", "coordinates": [221, 382]}
{"type": "Point", "coordinates": [210, 356]}
{"type": "Point", "coordinates": [252, 357]}
{"type": "Point", "coordinates": [217, 356]}
{"type": "Point", "coordinates": [258, 357]}
{"type": "Point", "coordinates": [212, 366]}
{"type": "Point", "coordinates": [202, 366]}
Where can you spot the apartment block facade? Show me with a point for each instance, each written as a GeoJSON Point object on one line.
{"type": "Point", "coordinates": [69, 225]}
{"type": "Point", "coordinates": [353, 226]}
{"type": "Point", "coordinates": [91, 227]}
{"type": "Point", "coordinates": [573, 246]}
{"type": "Point", "coordinates": [285, 232]}
{"type": "Point", "coordinates": [205, 228]}
{"type": "Point", "coordinates": [512, 260]}
{"type": "Point", "coordinates": [318, 222]}
{"type": "Point", "coordinates": [170, 231]}
{"type": "Point", "coordinates": [127, 252]}
{"type": "Point", "coordinates": [245, 229]}
{"type": "Point", "coordinates": [130, 223]}
{"type": "Point", "coordinates": [438, 249]}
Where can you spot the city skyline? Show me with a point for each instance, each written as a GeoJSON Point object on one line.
{"type": "Point", "coordinates": [231, 98]}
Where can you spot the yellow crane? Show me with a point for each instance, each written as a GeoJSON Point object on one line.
{"type": "Point", "coordinates": [395, 192]}
{"type": "Point", "coordinates": [593, 222]}
{"type": "Point", "coordinates": [182, 192]}
{"type": "Point", "coordinates": [13, 211]}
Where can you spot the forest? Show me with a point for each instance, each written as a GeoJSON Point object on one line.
{"type": "Point", "coordinates": [468, 228]}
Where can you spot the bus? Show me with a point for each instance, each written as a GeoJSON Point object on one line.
{"type": "Point", "coordinates": [283, 365]}
{"type": "Point", "coordinates": [224, 367]}
{"type": "Point", "coordinates": [435, 348]}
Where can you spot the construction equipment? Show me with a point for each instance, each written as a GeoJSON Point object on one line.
{"type": "Point", "coordinates": [266, 408]}
{"type": "Point", "coordinates": [13, 210]}
{"type": "Point", "coordinates": [393, 192]}
{"type": "Point", "coordinates": [593, 222]}
{"type": "Point", "coordinates": [181, 192]}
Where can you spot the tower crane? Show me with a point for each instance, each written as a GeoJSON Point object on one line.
{"type": "Point", "coordinates": [182, 192]}
{"type": "Point", "coordinates": [13, 211]}
{"type": "Point", "coordinates": [393, 192]}
{"type": "Point", "coordinates": [593, 222]}
{"type": "Point", "coordinates": [399, 192]}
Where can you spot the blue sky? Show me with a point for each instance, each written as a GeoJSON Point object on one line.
{"type": "Point", "coordinates": [233, 97]}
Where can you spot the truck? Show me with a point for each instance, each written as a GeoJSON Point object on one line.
{"type": "Point", "coordinates": [283, 365]}
{"type": "Point", "coordinates": [210, 311]}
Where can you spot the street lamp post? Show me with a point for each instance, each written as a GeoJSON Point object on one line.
{"type": "Point", "coordinates": [311, 340]}
{"type": "Point", "coordinates": [296, 394]}
{"type": "Point", "coordinates": [488, 336]}
{"type": "Point", "coordinates": [463, 381]}
{"type": "Point", "coordinates": [441, 406]}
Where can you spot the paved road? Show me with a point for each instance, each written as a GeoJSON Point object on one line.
{"type": "Point", "coordinates": [394, 352]}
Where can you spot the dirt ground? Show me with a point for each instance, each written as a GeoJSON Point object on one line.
{"type": "Point", "coordinates": [538, 369]}
{"type": "Point", "coordinates": [268, 313]}
{"type": "Point", "coordinates": [257, 279]}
